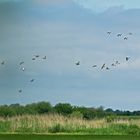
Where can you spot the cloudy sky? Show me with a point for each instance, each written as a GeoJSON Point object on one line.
{"type": "Point", "coordinates": [68, 31]}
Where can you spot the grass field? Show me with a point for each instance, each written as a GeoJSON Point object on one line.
{"type": "Point", "coordinates": [53, 124]}
{"type": "Point", "coordinates": [65, 137]}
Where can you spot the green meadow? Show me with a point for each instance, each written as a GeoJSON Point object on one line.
{"type": "Point", "coordinates": [42, 118]}
{"type": "Point", "coordinates": [59, 124]}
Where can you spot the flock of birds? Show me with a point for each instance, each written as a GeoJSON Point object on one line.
{"type": "Point", "coordinates": [21, 64]}
{"type": "Point", "coordinates": [23, 68]}
{"type": "Point", "coordinates": [103, 66]}
{"type": "Point", "coordinates": [120, 35]}
{"type": "Point", "coordinates": [116, 63]}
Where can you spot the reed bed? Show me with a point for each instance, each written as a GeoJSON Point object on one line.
{"type": "Point", "coordinates": [54, 123]}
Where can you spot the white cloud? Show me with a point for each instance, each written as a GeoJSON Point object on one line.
{"type": "Point", "coordinates": [103, 5]}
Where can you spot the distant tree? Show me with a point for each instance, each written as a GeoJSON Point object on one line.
{"type": "Point", "coordinates": [44, 107]}
{"type": "Point", "coordinates": [63, 108]}
{"type": "Point", "coordinates": [31, 108]}
{"type": "Point", "coordinates": [6, 111]}
{"type": "Point", "coordinates": [38, 108]}
{"type": "Point", "coordinates": [17, 109]}
{"type": "Point", "coordinates": [100, 112]}
{"type": "Point", "coordinates": [76, 114]}
{"type": "Point", "coordinates": [89, 114]}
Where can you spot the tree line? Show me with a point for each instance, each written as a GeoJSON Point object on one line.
{"type": "Point", "coordinates": [65, 109]}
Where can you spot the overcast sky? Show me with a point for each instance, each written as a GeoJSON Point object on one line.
{"type": "Point", "coordinates": [68, 31]}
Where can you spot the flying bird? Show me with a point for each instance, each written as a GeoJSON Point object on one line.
{"type": "Point", "coordinates": [21, 63]}
{"type": "Point", "coordinates": [109, 32]}
{"type": "Point", "coordinates": [117, 63]}
{"type": "Point", "coordinates": [94, 66]}
{"type": "Point", "coordinates": [127, 58]}
{"type": "Point", "coordinates": [119, 35]}
{"type": "Point", "coordinates": [33, 58]}
{"type": "Point", "coordinates": [23, 69]}
{"type": "Point", "coordinates": [20, 90]}
{"type": "Point", "coordinates": [103, 66]}
{"type": "Point", "coordinates": [44, 57]}
{"type": "Point", "coordinates": [36, 56]}
{"type": "Point", "coordinates": [113, 65]}
{"type": "Point", "coordinates": [125, 38]}
{"type": "Point", "coordinates": [130, 34]}
{"type": "Point", "coordinates": [107, 68]}
{"type": "Point", "coordinates": [3, 62]}
{"type": "Point", "coordinates": [78, 63]}
{"type": "Point", "coordinates": [32, 80]}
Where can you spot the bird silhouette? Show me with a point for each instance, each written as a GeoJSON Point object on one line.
{"type": "Point", "coordinates": [21, 63]}
{"type": "Point", "coordinates": [44, 57]}
{"type": "Point", "coordinates": [3, 62]}
{"type": "Point", "coordinates": [36, 56]}
{"type": "Point", "coordinates": [125, 38]}
{"type": "Point", "coordinates": [127, 58]}
{"type": "Point", "coordinates": [20, 90]}
{"type": "Point", "coordinates": [33, 58]}
{"type": "Point", "coordinates": [130, 33]}
{"type": "Point", "coordinates": [107, 68]}
{"type": "Point", "coordinates": [23, 69]}
{"type": "Point", "coordinates": [32, 80]}
{"type": "Point", "coordinates": [77, 63]}
{"type": "Point", "coordinates": [119, 35]}
{"type": "Point", "coordinates": [94, 66]}
{"type": "Point", "coordinates": [103, 66]}
{"type": "Point", "coordinates": [117, 63]}
{"type": "Point", "coordinates": [109, 32]}
{"type": "Point", "coordinates": [113, 65]}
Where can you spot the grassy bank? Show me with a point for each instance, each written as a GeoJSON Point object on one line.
{"type": "Point", "coordinates": [60, 124]}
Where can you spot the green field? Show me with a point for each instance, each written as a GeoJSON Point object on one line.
{"type": "Point", "coordinates": [65, 137]}
{"type": "Point", "coordinates": [53, 124]}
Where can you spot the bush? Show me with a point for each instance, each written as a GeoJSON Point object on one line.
{"type": "Point", "coordinates": [44, 107]}
{"type": "Point", "coordinates": [110, 119]}
{"type": "Point", "coordinates": [76, 114]}
{"type": "Point", "coordinates": [88, 114]}
{"type": "Point", "coordinates": [63, 108]}
{"type": "Point", "coordinates": [56, 128]}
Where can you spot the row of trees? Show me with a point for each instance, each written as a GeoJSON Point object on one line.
{"type": "Point", "coordinates": [61, 108]}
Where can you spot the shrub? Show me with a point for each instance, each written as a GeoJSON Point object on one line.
{"type": "Point", "coordinates": [110, 119]}
{"type": "Point", "coordinates": [76, 114]}
{"type": "Point", "coordinates": [56, 128]}
{"type": "Point", "coordinates": [63, 108]}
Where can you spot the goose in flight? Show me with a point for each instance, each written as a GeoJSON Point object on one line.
{"type": "Point", "coordinates": [113, 65]}
{"type": "Point", "coordinates": [107, 68]}
{"type": "Point", "coordinates": [36, 56]}
{"type": "Point", "coordinates": [3, 62]}
{"type": "Point", "coordinates": [21, 63]}
{"type": "Point", "coordinates": [20, 90]}
{"type": "Point", "coordinates": [77, 63]}
{"type": "Point", "coordinates": [32, 80]}
{"type": "Point", "coordinates": [125, 38]}
{"type": "Point", "coordinates": [44, 57]}
{"type": "Point", "coordinates": [117, 63]}
{"type": "Point", "coordinates": [109, 32]}
{"type": "Point", "coordinates": [23, 69]}
{"type": "Point", "coordinates": [94, 66]}
{"type": "Point", "coordinates": [127, 58]}
{"type": "Point", "coordinates": [119, 35]}
{"type": "Point", "coordinates": [103, 66]}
